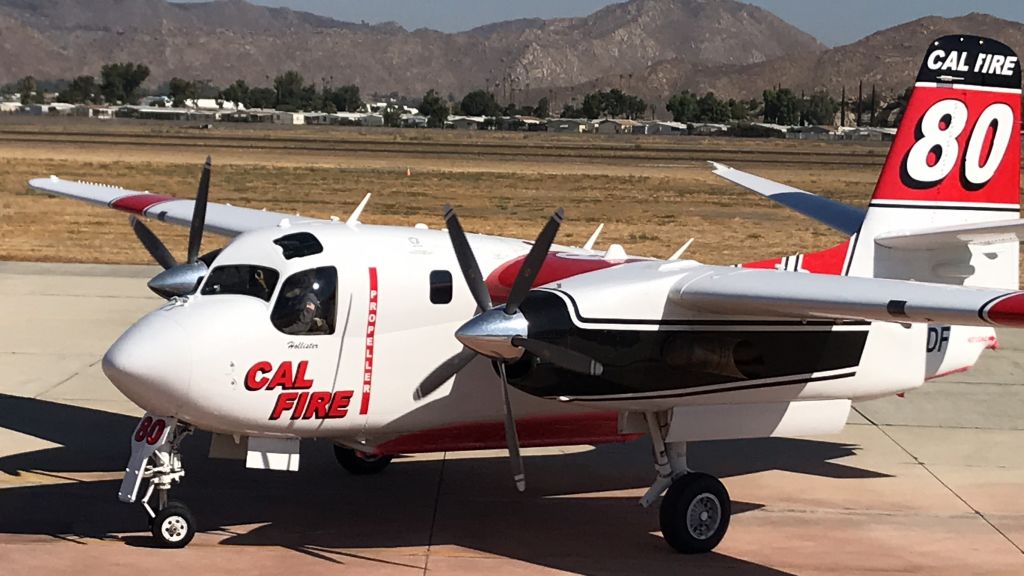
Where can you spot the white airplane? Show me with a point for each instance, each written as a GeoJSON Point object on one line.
{"type": "Point", "coordinates": [389, 340]}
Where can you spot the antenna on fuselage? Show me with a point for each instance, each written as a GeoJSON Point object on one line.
{"type": "Point", "coordinates": [682, 250]}
{"type": "Point", "coordinates": [593, 237]}
{"type": "Point", "coordinates": [353, 219]}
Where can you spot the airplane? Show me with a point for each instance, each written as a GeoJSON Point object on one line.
{"type": "Point", "coordinates": [392, 340]}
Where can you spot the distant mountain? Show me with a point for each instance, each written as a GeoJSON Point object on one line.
{"type": "Point", "coordinates": [888, 59]}
{"type": "Point", "coordinates": [229, 39]}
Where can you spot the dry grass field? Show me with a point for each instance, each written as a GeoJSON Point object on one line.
{"type": "Point", "coordinates": [652, 193]}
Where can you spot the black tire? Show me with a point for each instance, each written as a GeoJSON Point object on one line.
{"type": "Point", "coordinates": [174, 526]}
{"type": "Point", "coordinates": [360, 463]}
{"type": "Point", "coordinates": [695, 513]}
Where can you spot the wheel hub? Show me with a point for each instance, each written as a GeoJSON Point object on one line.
{"type": "Point", "coordinates": [174, 528]}
{"type": "Point", "coordinates": [703, 516]}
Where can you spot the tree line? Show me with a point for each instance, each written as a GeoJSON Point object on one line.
{"type": "Point", "coordinates": [122, 83]}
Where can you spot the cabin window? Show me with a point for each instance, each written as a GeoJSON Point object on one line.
{"type": "Point", "coordinates": [307, 304]}
{"type": "Point", "coordinates": [440, 287]}
{"type": "Point", "coordinates": [247, 280]}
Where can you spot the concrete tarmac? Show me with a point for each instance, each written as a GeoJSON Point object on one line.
{"type": "Point", "coordinates": [930, 484]}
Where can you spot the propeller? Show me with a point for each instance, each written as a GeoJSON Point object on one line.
{"type": "Point", "coordinates": [180, 279]}
{"type": "Point", "coordinates": [501, 332]}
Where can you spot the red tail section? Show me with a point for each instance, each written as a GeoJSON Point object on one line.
{"type": "Point", "coordinates": [959, 139]}
{"type": "Point", "coordinates": [955, 161]}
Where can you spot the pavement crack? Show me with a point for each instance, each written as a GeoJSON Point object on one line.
{"type": "Point", "coordinates": [433, 518]}
{"type": "Point", "coordinates": [66, 380]}
{"type": "Point", "coordinates": [925, 467]}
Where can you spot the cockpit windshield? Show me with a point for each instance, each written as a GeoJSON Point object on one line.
{"type": "Point", "coordinates": [244, 279]}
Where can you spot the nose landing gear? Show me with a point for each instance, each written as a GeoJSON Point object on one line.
{"type": "Point", "coordinates": [156, 456]}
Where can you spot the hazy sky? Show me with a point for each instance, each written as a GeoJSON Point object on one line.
{"type": "Point", "coordinates": [834, 22]}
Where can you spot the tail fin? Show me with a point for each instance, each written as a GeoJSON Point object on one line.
{"type": "Point", "coordinates": [955, 161]}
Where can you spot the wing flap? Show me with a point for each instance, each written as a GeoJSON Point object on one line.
{"type": "Point", "coordinates": [835, 215]}
{"type": "Point", "coordinates": [778, 294]}
{"type": "Point", "coordinates": [221, 219]}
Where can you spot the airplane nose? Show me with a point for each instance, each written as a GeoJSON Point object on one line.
{"type": "Point", "coordinates": [151, 364]}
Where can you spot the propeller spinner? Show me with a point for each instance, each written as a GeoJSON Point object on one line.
{"type": "Point", "coordinates": [501, 333]}
{"type": "Point", "coordinates": [180, 279]}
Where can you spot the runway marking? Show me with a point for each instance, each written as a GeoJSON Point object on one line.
{"type": "Point", "coordinates": [940, 481]}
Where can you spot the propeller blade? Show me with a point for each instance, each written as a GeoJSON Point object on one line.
{"type": "Point", "coordinates": [195, 233]}
{"type": "Point", "coordinates": [467, 261]}
{"type": "Point", "coordinates": [153, 245]}
{"type": "Point", "coordinates": [511, 436]}
{"type": "Point", "coordinates": [443, 373]}
{"type": "Point", "coordinates": [534, 260]}
{"type": "Point", "coordinates": [561, 357]}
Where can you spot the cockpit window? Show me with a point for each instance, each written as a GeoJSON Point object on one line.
{"type": "Point", "coordinates": [298, 245]}
{"type": "Point", "coordinates": [244, 279]}
{"type": "Point", "coordinates": [307, 304]}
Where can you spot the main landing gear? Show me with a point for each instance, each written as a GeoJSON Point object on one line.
{"type": "Point", "coordinates": [360, 463]}
{"type": "Point", "coordinates": [156, 457]}
{"type": "Point", "coordinates": [695, 509]}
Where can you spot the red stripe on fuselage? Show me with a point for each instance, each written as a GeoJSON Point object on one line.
{"type": "Point", "coordinates": [566, 430]}
{"type": "Point", "coordinates": [829, 261]}
{"type": "Point", "coordinates": [371, 328]}
{"type": "Point", "coordinates": [139, 203]}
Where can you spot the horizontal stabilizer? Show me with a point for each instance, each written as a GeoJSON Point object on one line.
{"type": "Point", "coordinates": [779, 294]}
{"type": "Point", "coordinates": [835, 215]}
{"type": "Point", "coordinates": [979, 233]}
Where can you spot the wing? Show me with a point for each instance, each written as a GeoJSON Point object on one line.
{"type": "Point", "coordinates": [775, 294]}
{"type": "Point", "coordinates": [221, 219]}
{"type": "Point", "coordinates": [836, 215]}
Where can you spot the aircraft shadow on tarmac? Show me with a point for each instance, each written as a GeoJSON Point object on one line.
{"type": "Point", "coordinates": [572, 518]}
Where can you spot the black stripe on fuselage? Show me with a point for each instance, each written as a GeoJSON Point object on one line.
{"type": "Point", "coordinates": [966, 206]}
{"type": "Point", "coordinates": [719, 390]}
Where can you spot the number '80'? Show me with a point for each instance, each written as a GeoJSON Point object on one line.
{"type": "Point", "coordinates": [938, 131]}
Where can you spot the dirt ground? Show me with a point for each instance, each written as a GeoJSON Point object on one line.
{"type": "Point", "coordinates": [652, 193]}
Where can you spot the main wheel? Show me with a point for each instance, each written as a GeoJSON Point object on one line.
{"type": "Point", "coordinates": [174, 526]}
{"type": "Point", "coordinates": [695, 513]}
{"type": "Point", "coordinates": [360, 463]}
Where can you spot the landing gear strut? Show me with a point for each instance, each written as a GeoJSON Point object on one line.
{"type": "Point", "coordinates": [360, 463]}
{"type": "Point", "coordinates": [156, 457]}
{"type": "Point", "coordinates": [695, 509]}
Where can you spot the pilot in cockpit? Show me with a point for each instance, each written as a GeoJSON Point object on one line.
{"type": "Point", "coordinates": [304, 304]}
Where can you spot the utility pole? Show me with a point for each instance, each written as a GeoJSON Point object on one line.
{"type": "Point", "coordinates": [873, 104]}
{"type": "Point", "coordinates": [860, 101]}
{"type": "Point", "coordinates": [842, 105]}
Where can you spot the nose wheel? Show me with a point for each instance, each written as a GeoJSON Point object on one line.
{"type": "Point", "coordinates": [173, 526]}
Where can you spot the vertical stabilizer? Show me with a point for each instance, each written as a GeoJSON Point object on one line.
{"type": "Point", "coordinates": [955, 160]}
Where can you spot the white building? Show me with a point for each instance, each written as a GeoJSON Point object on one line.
{"type": "Point", "coordinates": [659, 127]}
{"type": "Point", "coordinates": [466, 122]}
{"type": "Point", "coordinates": [289, 118]}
